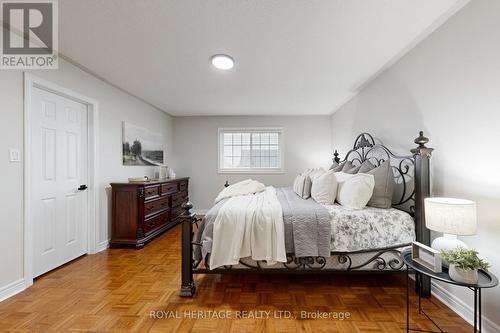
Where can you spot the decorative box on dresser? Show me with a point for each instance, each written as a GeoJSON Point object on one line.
{"type": "Point", "coordinates": [144, 210]}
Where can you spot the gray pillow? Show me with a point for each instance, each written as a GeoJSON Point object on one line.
{"type": "Point", "coordinates": [384, 186]}
{"type": "Point", "coordinates": [353, 170]}
{"type": "Point", "coordinates": [366, 166]}
{"type": "Point", "coordinates": [334, 165]}
{"type": "Point", "coordinates": [347, 165]}
{"type": "Point", "coordinates": [338, 168]}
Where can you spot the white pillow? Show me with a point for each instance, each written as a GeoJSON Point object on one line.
{"type": "Point", "coordinates": [306, 171]}
{"type": "Point", "coordinates": [313, 172]}
{"type": "Point", "coordinates": [354, 191]}
{"type": "Point", "coordinates": [324, 188]}
{"type": "Point", "coordinates": [316, 173]}
{"type": "Point", "coordinates": [302, 186]}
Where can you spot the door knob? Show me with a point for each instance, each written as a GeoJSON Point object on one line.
{"type": "Point", "coordinates": [82, 188]}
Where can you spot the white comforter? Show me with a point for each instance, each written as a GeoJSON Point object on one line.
{"type": "Point", "coordinates": [244, 187]}
{"type": "Point", "coordinates": [249, 224]}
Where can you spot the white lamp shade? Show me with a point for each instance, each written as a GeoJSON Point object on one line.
{"type": "Point", "coordinates": [451, 216]}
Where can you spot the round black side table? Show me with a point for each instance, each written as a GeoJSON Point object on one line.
{"type": "Point", "coordinates": [486, 280]}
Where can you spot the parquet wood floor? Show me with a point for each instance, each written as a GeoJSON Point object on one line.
{"type": "Point", "coordinates": [116, 290]}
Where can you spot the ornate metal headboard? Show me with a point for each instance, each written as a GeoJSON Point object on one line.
{"type": "Point", "coordinates": [367, 149]}
{"type": "Point", "coordinates": [412, 175]}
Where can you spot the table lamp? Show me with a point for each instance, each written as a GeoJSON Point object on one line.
{"type": "Point", "coordinates": [452, 217]}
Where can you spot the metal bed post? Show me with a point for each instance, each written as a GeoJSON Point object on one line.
{"type": "Point", "coordinates": [422, 155]}
{"type": "Point", "coordinates": [188, 287]}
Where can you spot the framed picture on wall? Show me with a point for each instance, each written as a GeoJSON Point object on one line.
{"type": "Point", "coordinates": [141, 147]}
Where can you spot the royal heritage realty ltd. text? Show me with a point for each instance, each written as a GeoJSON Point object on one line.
{"type": "Point", "coordinates": [232, 314]}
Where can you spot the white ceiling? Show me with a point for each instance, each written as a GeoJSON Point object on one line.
{"type": "Point", "coordinates": [292, 56]}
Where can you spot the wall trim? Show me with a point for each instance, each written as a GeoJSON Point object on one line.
{"type": "Point", "coordinates": [102, 246]}
{"type": "Point", "coordinates": [12, 288]}
{"type": "Point", "coordinates": [99, 77]}
{"type": "Point", "coordinates": [88, 71]}
{"type": "Point", "coordinates": [31, 81]}
{"type": "Point", "coordinates": [461, 308]}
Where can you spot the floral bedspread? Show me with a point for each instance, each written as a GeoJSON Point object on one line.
{"type": "Point", "coordinates": [369, 228]}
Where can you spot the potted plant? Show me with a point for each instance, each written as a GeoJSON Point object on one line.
{"type": "Point", "coordinates": [464, 264]}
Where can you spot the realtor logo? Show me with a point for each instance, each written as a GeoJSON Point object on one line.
{"type": "Point", "coordinates": [29, 35]}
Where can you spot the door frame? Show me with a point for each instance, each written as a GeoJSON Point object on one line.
{"type": "Point", "coordinates": [30, 82]}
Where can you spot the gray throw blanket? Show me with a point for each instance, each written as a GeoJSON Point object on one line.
{"type": "Point", "coordinates": [307, 226]}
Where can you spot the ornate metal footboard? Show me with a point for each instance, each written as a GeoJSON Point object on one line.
{"type": "Point", "coordinates": [374, 260]}
{"type": "Point", "coordinates": [383, 260]}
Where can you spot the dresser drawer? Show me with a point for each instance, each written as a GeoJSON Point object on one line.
{"type": "Point", "coordinates": [176, 212]}
{"type": "Point", "coordinates": [156, 222]}
{"type": "Point", "coordinates": [183, 185]}
{"type": "Point", "coordinates": [151, 192]}
{"type": "Point", "coordinates": [168, 188]}
{"type": "Point", "coordinates": [179, 198]}
{"type": "Point", "coordinates": [156, 206]}
{"type": "Point", "coordinates": [183, 194]}
{"type": "Point", "coordinates": [178, 201]}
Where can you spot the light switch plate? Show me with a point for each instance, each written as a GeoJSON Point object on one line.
{"type": "Point", "coordinates": [15, 155]}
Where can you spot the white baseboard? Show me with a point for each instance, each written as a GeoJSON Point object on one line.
{"type": "Point", "coordinates": [463, 309]}
{"type": "Point", "coordinates": [102, 246]}
{"type": "Point", "coordinates": [11, 289]}
{"type": "Point", "coordinates": [16, 287]}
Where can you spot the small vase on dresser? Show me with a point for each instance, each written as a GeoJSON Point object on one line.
{"type": "Point", "coordinates": [144, 210]}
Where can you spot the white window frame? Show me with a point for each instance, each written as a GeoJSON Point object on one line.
{"type": "Point", "coordinates": [220, 150]}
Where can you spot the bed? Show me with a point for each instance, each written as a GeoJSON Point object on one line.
{"type": "Point", "coordinates": [340, 240]}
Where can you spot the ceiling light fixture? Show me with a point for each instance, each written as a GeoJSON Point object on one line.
{"type": "Point", "coordinates": [222, 61]}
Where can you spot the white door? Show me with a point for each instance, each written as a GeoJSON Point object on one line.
{"type": "Point", "coordinates": [59, 167]}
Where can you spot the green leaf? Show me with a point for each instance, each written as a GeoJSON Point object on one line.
{"type": "Point", "coordinates": [467, 259]}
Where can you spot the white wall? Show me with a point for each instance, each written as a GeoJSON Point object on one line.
{"type": "Point", "coordinates": [306, 144]}
{"type": "Point", "coordinates": [115, 106]}
{"type": "Point", "coordinates": [448, 86]}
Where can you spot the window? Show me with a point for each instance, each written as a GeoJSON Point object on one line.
{"type": "Point", "coordinates": [250, 150]}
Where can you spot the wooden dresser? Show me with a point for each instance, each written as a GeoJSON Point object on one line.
{"type": "Point", "coordinates": [144, 210]}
